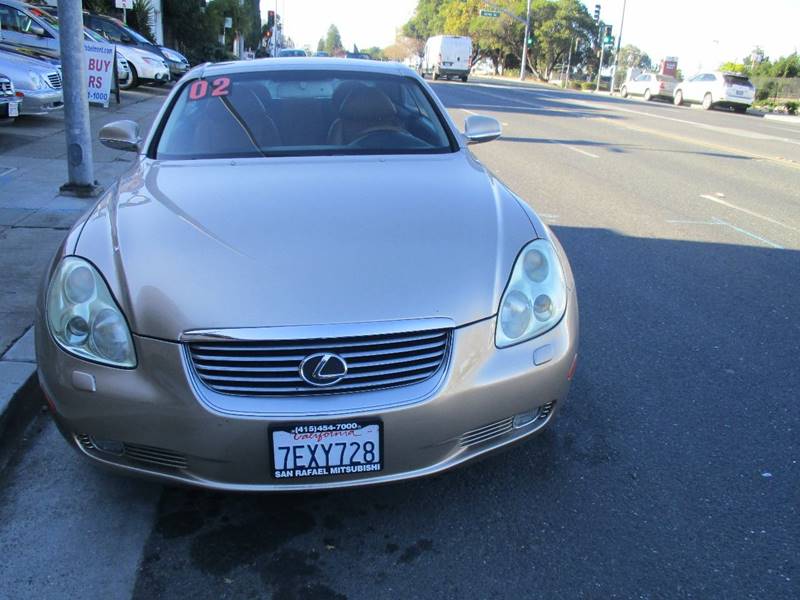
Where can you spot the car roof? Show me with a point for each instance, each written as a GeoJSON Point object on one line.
{"type": "Point", "coordinates": [308, 63]}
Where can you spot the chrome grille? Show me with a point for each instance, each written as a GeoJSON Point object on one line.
{"type": "Point", "coordinates": [54, 79]}
{"type": "Point", "coordinates": [272, 368]}
{"type": "Point", "coordinates": [6, 89]}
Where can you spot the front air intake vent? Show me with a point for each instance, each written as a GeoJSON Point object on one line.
{"type": "Point", "coordinates": [156, 456]}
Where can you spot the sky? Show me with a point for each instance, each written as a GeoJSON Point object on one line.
{"type": "Point", "coordinates": [701, 33]}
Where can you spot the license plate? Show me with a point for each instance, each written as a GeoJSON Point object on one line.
{"type": "Point", "coordinates": [739, 93]}
{"type": "Point", "coordinates": [13, 109]}
{"type": "Point", "coordinates": [326, 449]}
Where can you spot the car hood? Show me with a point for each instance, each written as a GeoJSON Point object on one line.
{"type": "Point", "coordinates": [8, 60]}
{"type": "Point", "coordinates": [304, 241]}
{"type": "Point", "coordinates": [130, 53]}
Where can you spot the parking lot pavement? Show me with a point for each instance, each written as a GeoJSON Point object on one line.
{"type": "Point", "coordinates": [33, 216]}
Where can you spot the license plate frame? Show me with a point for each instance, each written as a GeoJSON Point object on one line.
{"type": "Point", "coordinates": [284, 465]}
{"type": "Point", "coordinates": [13, 109]}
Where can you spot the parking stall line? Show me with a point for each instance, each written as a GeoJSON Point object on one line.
{"type": "Point", "coordinates": [727, 204]}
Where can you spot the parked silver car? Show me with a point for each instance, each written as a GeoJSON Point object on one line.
{"type": "Point", "coordinates": [710, 89]}
{"type": "Point", "coordinates": [9, 103]}
{"type": "Point", "coordinates": [37, 83]}
{"type": "Point", "coordinates": [306, 281]}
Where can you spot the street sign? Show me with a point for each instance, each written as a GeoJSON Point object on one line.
{"type": "Point", "coordinates": [489, 13]}
{"type": "Point", "coordinates": [228, 22]}
{"type": "Point", "coordinates": [126, 4]}
{"type": "Point", "coordinates": [99, 63]}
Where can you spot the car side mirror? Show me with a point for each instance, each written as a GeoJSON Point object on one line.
{"type": "Point", "coordinates": [479, 129]}
{"type": "Point", "coordinates": [121, 135]}
{"type": "Point", "coordinates": [37, 31]}
{"type": "Point", "coordinates": [125, 38]}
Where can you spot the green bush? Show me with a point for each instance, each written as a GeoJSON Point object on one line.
{"type": "Point", "coordinates": [576, 85]}
{"type": "Point", "coordinates": [792, 106]}
{"type": "Point", "coordinates": [588, 85]}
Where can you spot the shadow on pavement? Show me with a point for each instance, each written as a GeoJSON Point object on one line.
{"type": "Point", "coordinates": [652, 481]}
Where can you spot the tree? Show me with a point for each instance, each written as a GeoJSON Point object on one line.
{"type": "Point", "coordinates": [139, 18]}
{"type": "Point", "coordinates": [333, 41]}
{"type": "Point", "coordinates": [321, 45]}
{"type": "Point", "coordinates": [397, 52]}
{"type": "Point", "coordinates": [733, 67]}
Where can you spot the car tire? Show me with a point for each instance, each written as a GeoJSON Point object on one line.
{"type": "Point", "coordinates": [647, 95]}
{"type": "Point", "coordinates": [464, 78]}
{"type": "Point", "coordinates": [133, 80]}
{"type": "Point", "coordinates": [740, 108]}
{"type": "Point", "coordinates": [678, 99]}
{"type": "Point", "coordinates": [707, 103]}
{"type": "Point", "coordinates": [623, 92]}
{"type": "Point", "coordinates": [436, 76]}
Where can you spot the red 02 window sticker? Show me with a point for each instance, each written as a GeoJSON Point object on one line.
{"type": "Point", "coordinates": [221, 86]}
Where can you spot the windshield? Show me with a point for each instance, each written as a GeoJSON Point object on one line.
{"type": "Point", "coordinates": [136, 36]}
{"type": "Point", "coordinates": [294, 113]}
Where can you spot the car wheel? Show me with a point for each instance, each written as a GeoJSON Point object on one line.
{"type": "Point", "coordinates": [707, 101]}
{"type": "Point", "coordinates": [740, 108]}
{"type": "Point", "coordinates": [464, 78]}
{"type": "Point", "coordinates": [623, 92]}
{"type": "Point", "coordinates": [647, 95]}
{"type": "Point", "coordinates": [678, 100]}
{"type": "Point", "coordinates": [133, 80]}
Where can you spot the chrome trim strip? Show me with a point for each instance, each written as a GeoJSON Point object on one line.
{"type": "Point", "coordinates": [307, 332]}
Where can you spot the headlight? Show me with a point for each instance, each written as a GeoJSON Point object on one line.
{"type": "Point", "coordinates": [83, 317]}
{"type": "Point", "coordinates": [36, 80]}
{"type": "Point", "coordinates": [536, 296]}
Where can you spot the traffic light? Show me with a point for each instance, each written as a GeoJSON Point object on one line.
{"type": "Point", "coordinates": [270, 19]}
{"type": "Point", "coordinates": [608, 39]}
{"type": "Point", "coordinates": [596, 12]}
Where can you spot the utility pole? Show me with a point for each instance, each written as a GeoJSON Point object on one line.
{"type": "Point", "coordinates": [525, 42]}
{"type": "Point", "coordinates": [80, 165]}
{"type": "Point", "coordinates": [619, 44]}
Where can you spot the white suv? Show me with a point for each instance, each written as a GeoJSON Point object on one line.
{"type": "Point", "coordinates": [731, 90]}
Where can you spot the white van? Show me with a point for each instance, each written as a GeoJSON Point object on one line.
{"type": "Point", "coordinates": [447, 56]}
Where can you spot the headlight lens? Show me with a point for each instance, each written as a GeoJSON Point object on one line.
{"type": "Point", "coordinates": [83, 317]}
{"type": "Point", "coordinates": [536, 296]}
{"type": "Point", "coordinates": [36, 80]}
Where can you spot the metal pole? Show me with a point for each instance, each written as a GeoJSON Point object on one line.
{"type": "Point", "coordinates": [600, 66]}
{"type": "Point", "coordinates": [525, 42]}
{"type": "Point", "coordinates": [569, 62]}
{"type": "Point", "coordinates": [76, 101]}
{"type": "Point", "coordinates": [275, 32]}
{"type": "Point", "coordinates": [619, 44]}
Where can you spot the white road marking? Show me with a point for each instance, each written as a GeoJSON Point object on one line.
{"type": "Point", "coordinates": [747, 211]}
{"type": "Point", "coordinates": [578, 150]}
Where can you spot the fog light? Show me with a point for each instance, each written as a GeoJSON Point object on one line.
{"type": "Point", "coordinates": [526, 418]}
{"type": "Point", "coordinates": [109, 446]}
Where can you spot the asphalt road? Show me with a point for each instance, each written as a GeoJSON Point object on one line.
{"type": "Point", "coordinates": [672, 472]}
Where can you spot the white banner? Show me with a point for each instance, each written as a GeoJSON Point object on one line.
{"type": "Point", "coordinates": [100, 66]}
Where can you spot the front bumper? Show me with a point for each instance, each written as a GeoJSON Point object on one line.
{"type": "Point", "coordinates": [177, 431]}
{"type": "Point", "coordinates": [150, 72]}
{"type": "Point", "coordinates": [178, 69]}
{"type": "Point", "coordinates": [6, 109]}
{"type": "Point", "coordinates": [41, 102]}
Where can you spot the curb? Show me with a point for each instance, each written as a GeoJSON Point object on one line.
{"type": "Point", "coordinates": [20, 396]}
{"type": "Point", "coordinates": [783, 118]}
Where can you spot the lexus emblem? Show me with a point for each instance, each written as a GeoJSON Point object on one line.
{"type": "Point", "coordinates": [323, 369]}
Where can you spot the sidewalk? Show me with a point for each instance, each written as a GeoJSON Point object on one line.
{"type": "Point", "coordinates": [34, 218]}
